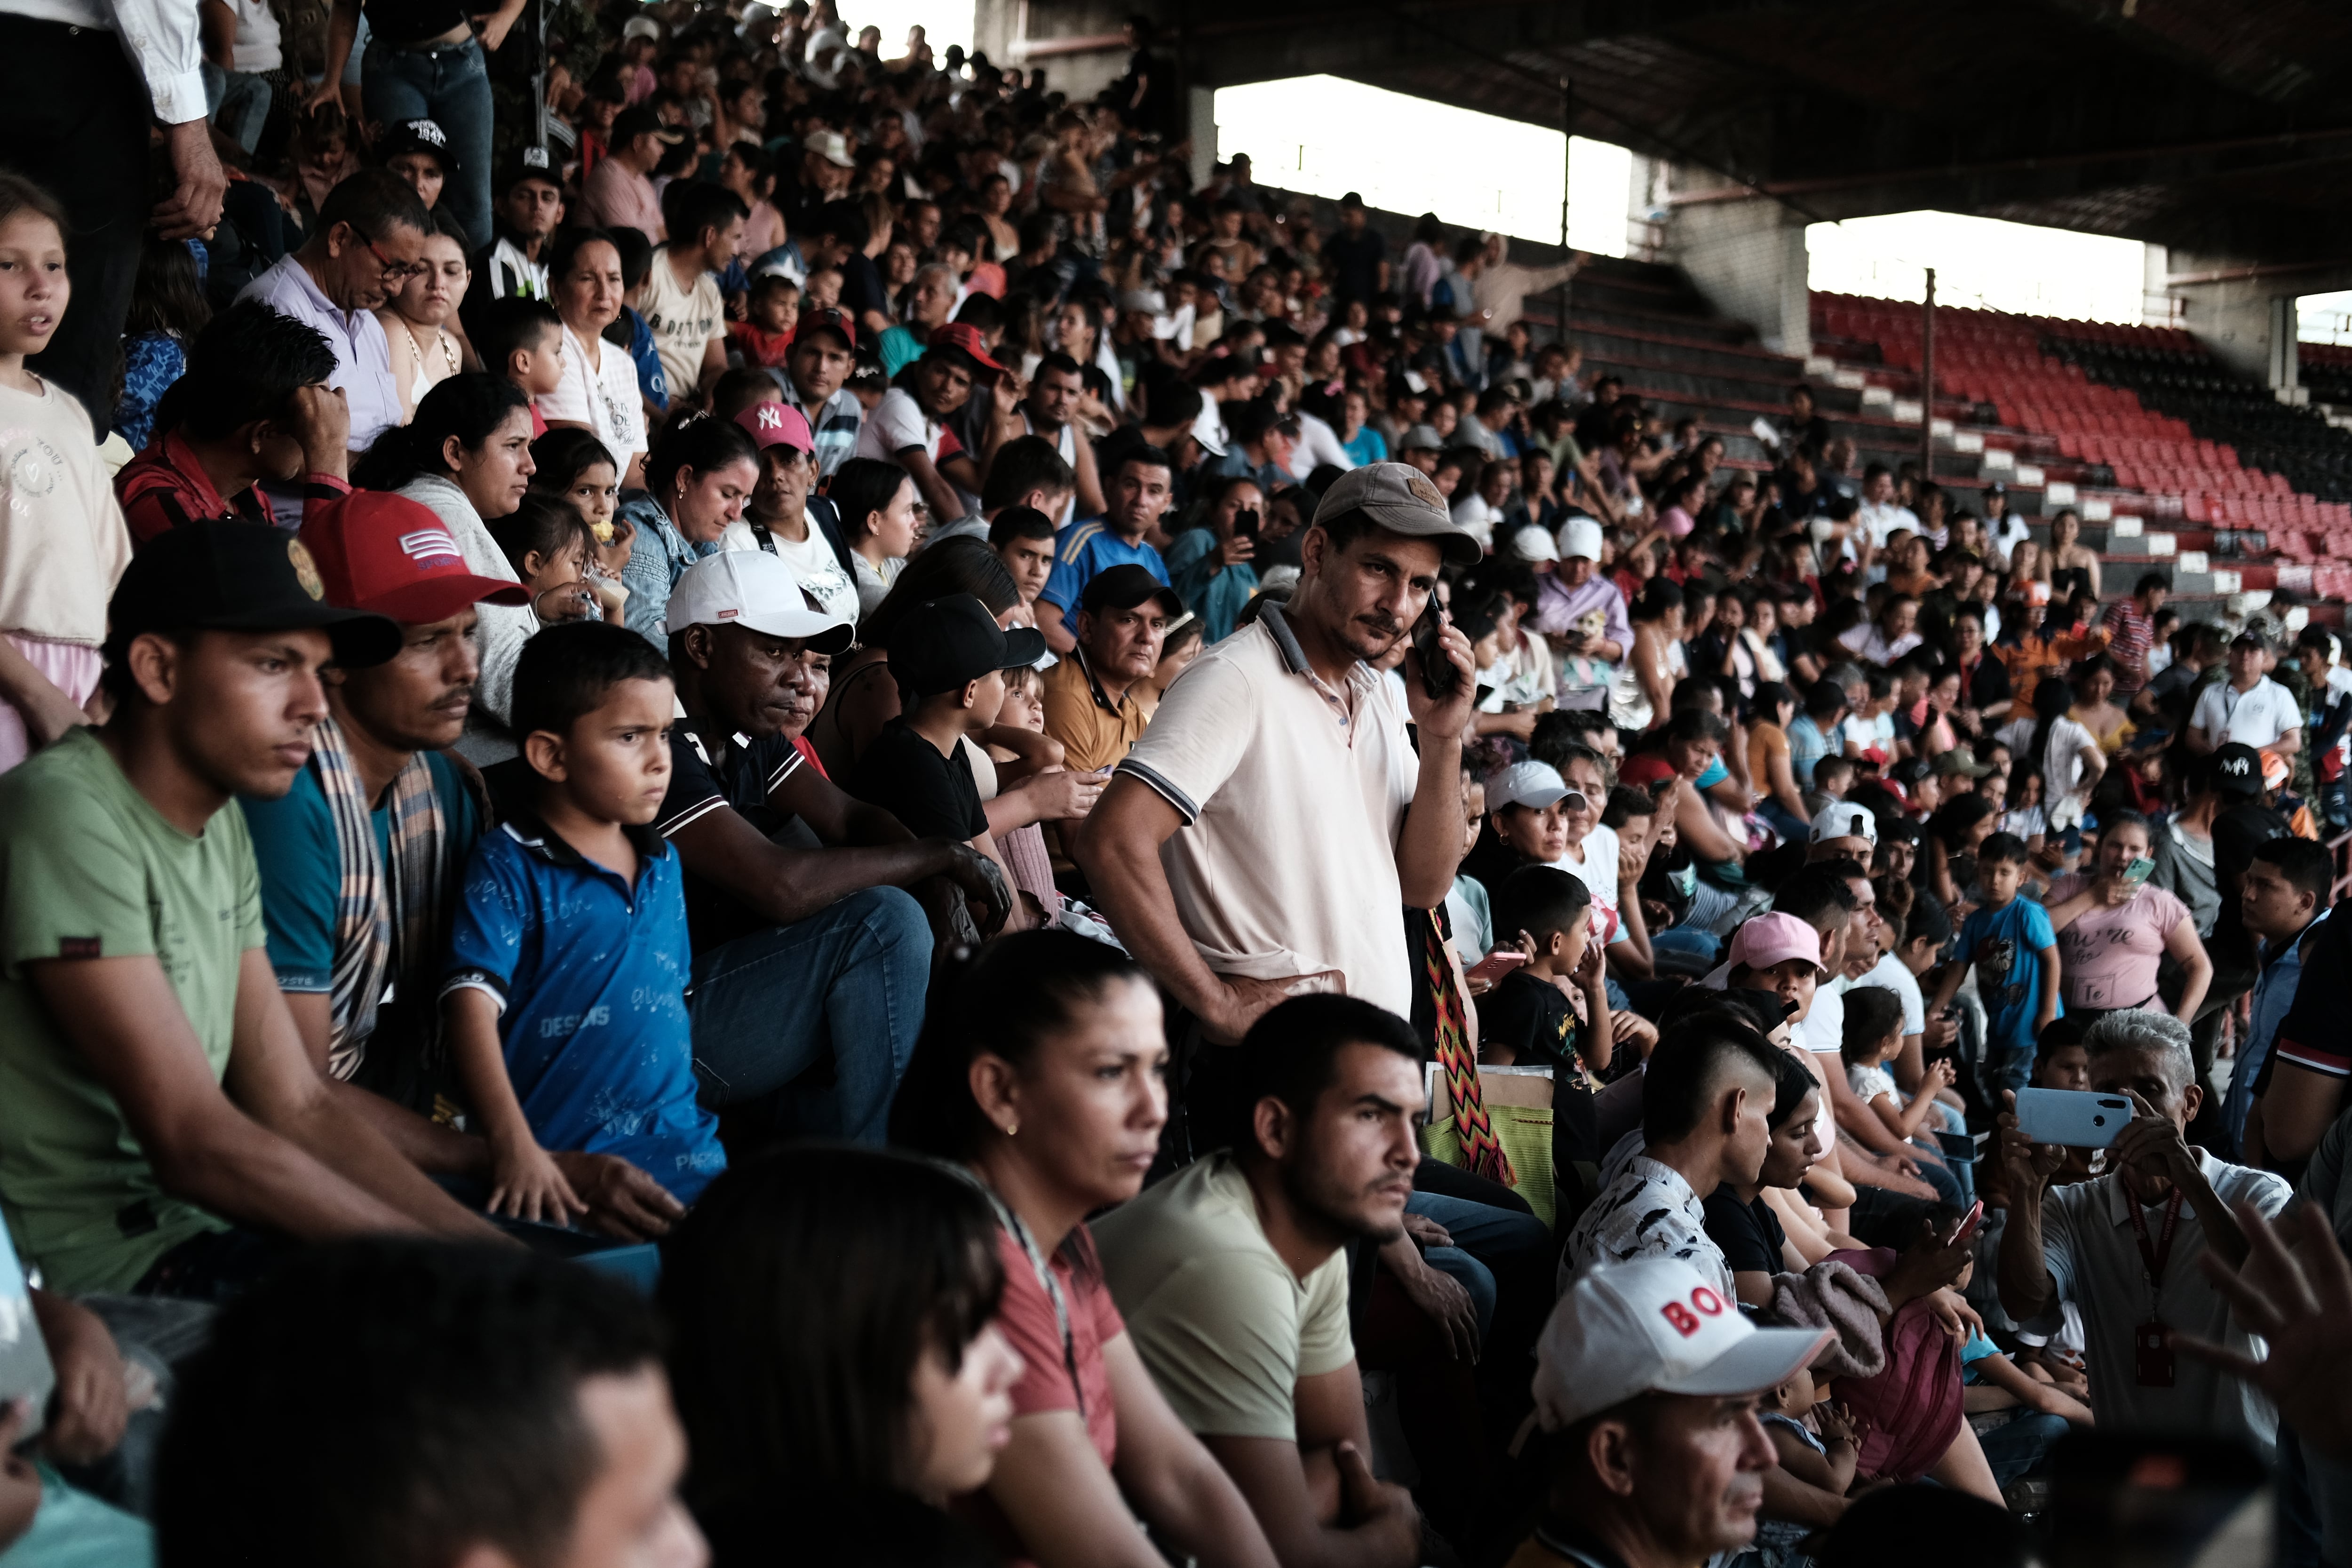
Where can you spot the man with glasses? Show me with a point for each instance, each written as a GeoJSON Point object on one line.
{"type": "Point", "coordinates": [370, 238]}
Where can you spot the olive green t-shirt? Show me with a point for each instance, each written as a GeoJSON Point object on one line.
{"type": "Point", "coordinates": [1224, 1326]}
{"type": "Point", "coordinates": [89, 869]}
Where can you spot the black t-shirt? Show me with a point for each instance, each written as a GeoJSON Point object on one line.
{"type": "Point", "coordinates": [1533, 1018]}
{"type": "Point", "coordinates": [932, 795]}
{"type": "Point", "coordinates": [414, 21]}
{"type": "Point", "coordinates": [861, 288]}
{"type": "Point", "coordinates": [737, 779]}
{"type": "Point", "coordinates": [1749, 1234]}
{"type": "Point", "coordinates": [1355, 262]}
{"type": "Point", "coordinates": [2237, 831]}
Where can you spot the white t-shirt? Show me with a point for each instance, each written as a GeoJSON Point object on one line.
{"type": "Point", "coordinates": [602, 397]}
{"type": "Point", "coordinates": [897, 422]}
{"type": "Point", "coordinates": [1890, 973]}
{"type": "Point", "coordinates": [813, 564]}
{"type": "Point", "coordinates": [2256, 718]}
{"type": "Point", "coordinates": [1878, 522]}
{"type": "Point", "coordinates": [1869, 1083]}
{"type": "Point", "coordinates": [683, 322]}
{"type": "Point", "coordinates": [1822, 1028]}
{"type": "Point", "coordinates": [257, 46]}
{"type": "Point", "coordinates": [1598, 872]}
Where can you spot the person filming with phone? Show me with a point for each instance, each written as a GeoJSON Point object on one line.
{"type": "Point", "coordinates": [2126, 1247]}
{"type": "Point", "coordinates": [2114, 929]}
{"type": "Point", "coordinates": [1264, 833]}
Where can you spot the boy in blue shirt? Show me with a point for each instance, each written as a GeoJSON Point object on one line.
{"type": "Point", "coordinates": [2015, 952]}
{"type": "Point", "coordinates": [565, 996]}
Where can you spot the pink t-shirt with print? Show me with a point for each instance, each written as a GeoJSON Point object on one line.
{"type": "Point", "coordinates": [2108, 957]}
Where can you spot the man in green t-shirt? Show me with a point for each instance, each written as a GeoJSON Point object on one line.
{"type": "Point", "coordinates": [161, 1126]}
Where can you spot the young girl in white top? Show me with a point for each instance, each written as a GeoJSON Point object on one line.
{"type": "Point", "coordinates": [62, 539]}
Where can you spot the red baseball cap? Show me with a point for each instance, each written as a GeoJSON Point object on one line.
{"type": "Point", "coordinates": [825, 322]}
{"type": "Point", "coordinates": [391, 557]}
{"type": "Point", "coordinates": [774, 425]}
{"type": "Point", "coordinates": [964, 339]}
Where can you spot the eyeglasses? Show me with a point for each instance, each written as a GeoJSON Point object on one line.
{"type": "Point", "coordinates": [394, 271]}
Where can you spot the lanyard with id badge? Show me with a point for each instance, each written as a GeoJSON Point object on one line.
{"type": "Point", "coordinates": [2152, 1357]}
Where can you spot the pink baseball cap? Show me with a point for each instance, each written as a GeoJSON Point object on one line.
{"type": "Point", "coordinates": [775, 424]}
{"type": "Point", "coordinates": [1775, 938]}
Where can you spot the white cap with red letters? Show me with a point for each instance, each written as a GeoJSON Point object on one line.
{"type": "Point", "coordinates": [1651, 1325]}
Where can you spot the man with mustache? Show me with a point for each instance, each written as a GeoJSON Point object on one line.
{"type": "Point", "coordinates": [1258, 839]}
{"type": "Point", "coordinates": [805, 941]}
{"type": "Point", "coordinates": [362, 858]}
{"type": "Point", "coordinates": [1648, 1381]}
{"type": "Point", "coordinates": [165, 1131]}
{"type": "Point", "coordinates": [1233, 1277]}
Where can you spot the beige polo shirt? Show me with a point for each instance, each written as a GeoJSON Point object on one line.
{"type": "Point", "coordinates": [1224, 1326]}
{"type": "Point", "coordinates": [1293, 795]}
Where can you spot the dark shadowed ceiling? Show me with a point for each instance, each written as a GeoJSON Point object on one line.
{"type": "Point", "coordinates": [2219, 127]}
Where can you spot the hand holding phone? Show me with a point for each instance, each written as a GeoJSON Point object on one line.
{"type": "Point", "coordinates": [1968, 1225]}
{"type": "Point", "coordinates": [1439, 678]}
{"type": "Point", "coordinates": [2071, 1117]}
{"type": "Point", "coordinates": [1495, 964]}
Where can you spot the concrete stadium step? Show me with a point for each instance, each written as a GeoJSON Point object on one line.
{"type": "Point", "coordinates": [1714, 331]}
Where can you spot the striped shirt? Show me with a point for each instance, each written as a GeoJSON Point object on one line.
{"type": "Point", "coordinates": [1083, 552]}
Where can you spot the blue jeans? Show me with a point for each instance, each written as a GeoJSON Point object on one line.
{"type": "Point", "coordinates": [1476, 1229]}
{"type": "Point", "coordinates": [238, 103]}
{"type": "Point", "coordinates": [2015, 1449]}
{"type": "Point", "coordinates": [451, 88]}
{"type": "Point", "coordinates": [1687, 938]}
{"type": "Point", "coordinates": [847, 980]}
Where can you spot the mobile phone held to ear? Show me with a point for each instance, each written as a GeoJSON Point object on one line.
{"type": "Point", "coordinates": [2072, 1117]}
{"type": "Point", "coordinates": [1438, 676]}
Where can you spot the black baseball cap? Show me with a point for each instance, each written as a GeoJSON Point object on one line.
{"type": "Point", "coordinates": [643, 120]}
{"type": "Point", "coordinates": [944, 643]}
{"type": "Point", "coordinates": [1124, 587]}
{"type": "Point", "coordinates": [418, 136]}
{"type": "Point", "coordinates": [2253, 636]}
{"type": "Point", "coordinates": [2236, 770]}
{"type": "Point", "coordinates": [224, 575]}
{"type": "Point", "coordinates": [528, 164]}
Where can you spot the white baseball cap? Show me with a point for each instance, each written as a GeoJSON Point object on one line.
{"type": "Point", "coordinates": [1529, 784]}
{"type": "Point", "coordinates": [1654, 1326]}
{"type": "Point", "coordinates": [1532, 542]}
{"type": "Point", "coordinates": [1841, 819]}
{"type": "Point", "coordinates": [752, 588]}
{"type": "Point", "coordinates": [1209, 428]}
{"type": "Point", "coordinates": [1579, 536]}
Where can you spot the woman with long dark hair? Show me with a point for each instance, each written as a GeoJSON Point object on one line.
{"type": "Point", "coordinates": [834, 1352]}
{"type": "Point", "coordinates": [1045, 1077]}
{"type": "Point", "coordinates": [467, 458]}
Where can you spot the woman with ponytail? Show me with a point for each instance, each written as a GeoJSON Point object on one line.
{"type": "Point", "coordinates": [1043, 1080]}
{"type": "Point", "coordinates": [701, 472]}
{"type": "Point", "coordinates": [467, 458]}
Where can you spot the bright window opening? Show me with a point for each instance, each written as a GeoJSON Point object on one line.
{"type": "Point", "coordinates": [1983, 263]}
{"type": "Point", "coordinates": [1326, 136]}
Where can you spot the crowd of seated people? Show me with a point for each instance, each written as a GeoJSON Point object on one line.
{"type": "Point", "coordinates": [828, 816]}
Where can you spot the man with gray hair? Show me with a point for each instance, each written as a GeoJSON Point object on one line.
{"type": "Point", "coordinates": [930, 301]}
{"type": "Point", "coordinates": [2125, 1245]}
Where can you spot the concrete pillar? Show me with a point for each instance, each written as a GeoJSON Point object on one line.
{"type": "Point", "coordinates": [2238, 321]}
{"type": "Point", "coordinates": [2156, 294]}
{"type": "Point", "coordinates": [1200, 125]}
{"type": "Point", "coordinates": [2283, 359]}
{"type": "Point", "coordinates": [1748, 258]}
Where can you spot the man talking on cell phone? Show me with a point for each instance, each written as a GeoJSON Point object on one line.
{"type": "Point", "coordinates": [1264, 831]}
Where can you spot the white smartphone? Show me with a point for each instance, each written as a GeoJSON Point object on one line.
{"type": "Point", "coordinates": [2074, 1118]}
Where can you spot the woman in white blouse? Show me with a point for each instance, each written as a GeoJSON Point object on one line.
{"type": "Point", "coordinates": [599, 389]}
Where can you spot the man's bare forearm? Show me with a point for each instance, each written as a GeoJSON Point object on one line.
{"type": "Point", "coordinates": [2024, 1280]}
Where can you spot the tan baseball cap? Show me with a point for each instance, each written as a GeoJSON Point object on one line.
{"type": "Point", "coordinates": [1399, 498]}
